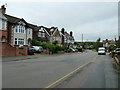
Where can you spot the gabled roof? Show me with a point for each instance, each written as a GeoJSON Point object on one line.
{"type": "Point", "coordinates": [67, 35]}
{"type": "Point", "coordinates": [34, 27]}
{"type": "Point", "coordinates": [49, 31]}
{"type": "Point", "coordinates": [53, 30]}
{"type": "Point", "coordinates": [13, 19]}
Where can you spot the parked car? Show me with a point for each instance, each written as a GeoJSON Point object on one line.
{"type": "Point", "coordinates": [117, 51]}
{"type": "Point", "coordinates": [31, 50]}
{"type": "Point", "coordinates": [38, 49]}
{"type": "Point", "coordinates": [101, 51]}
{"type": "Point", "coordinates": [73, 49]}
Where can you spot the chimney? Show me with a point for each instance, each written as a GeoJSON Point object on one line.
{"type": "Point", "coordinates": [63, 32]}
{"type": "Point", "coordinates": [71, 33]}
{"type": "Point", "coordinates": [119, 42]}
{"type": "Point", "coordinates": [3, 9]}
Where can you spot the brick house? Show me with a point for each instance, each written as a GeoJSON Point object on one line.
{"type": "Point", "coordinates": [54, 35]}
{"type": "Point", "coordinates": [107, 43]}
{"type": "Point", "coordinates": [67, 39]}
{"type": "Point", "coordinates": [45, 34]}
{"type": "Point", "coordinates": [3, 28]}
{"type": "Point", "coordinates": [3, 31]}
{"type": "Point", "coordinates": [40, 33]}
{"type": "Point", "coordinates": [17, 35]}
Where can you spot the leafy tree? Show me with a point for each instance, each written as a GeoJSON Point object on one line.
{"type": "Point", "coordinates": [98, 44]}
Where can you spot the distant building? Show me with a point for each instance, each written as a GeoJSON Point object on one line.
{"type": "Point", "coordinates": [107, 43]}
{"type": "Point", "coordinates": [67, 38]}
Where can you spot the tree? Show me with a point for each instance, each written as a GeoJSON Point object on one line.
{"type": "Point", "coordinates": [98, 40]}
{"type": "Point", "coordinates": [98, 44]}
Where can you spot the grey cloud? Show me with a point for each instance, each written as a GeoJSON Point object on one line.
{"type": "Point", "coordinates": [78, 17]}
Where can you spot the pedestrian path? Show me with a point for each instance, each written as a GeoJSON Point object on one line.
{"type": "Point", "coordinates": [17, 58]}
{"type": "Point", "coordinates": [110, 74]}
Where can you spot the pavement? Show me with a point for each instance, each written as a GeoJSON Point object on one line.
{"type": "Point", "coordinates": [111, 76]}
{"type": "Point", "coordinates": [40, 71]}
{"type": "Point", "coordinates": [17, 58]}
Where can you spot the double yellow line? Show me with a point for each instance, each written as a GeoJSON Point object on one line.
{"type": "Point", "coordinates": [71, 73]}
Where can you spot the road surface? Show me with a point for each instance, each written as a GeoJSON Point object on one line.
{"type": "Point", "coordinates": [73, 70]}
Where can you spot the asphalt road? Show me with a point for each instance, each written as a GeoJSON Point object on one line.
{"type": "Point", "coordinates": [74, 70]}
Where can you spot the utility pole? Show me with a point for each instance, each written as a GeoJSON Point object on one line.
{"type": "Point", "coordinates": [82, 40]}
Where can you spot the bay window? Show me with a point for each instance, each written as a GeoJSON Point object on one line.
{"type": "Point", "coordinates": [19, 41]}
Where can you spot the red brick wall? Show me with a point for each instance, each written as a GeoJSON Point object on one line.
{"type": "Point", "coordinates": [21, 50]}
{"type": "Point", "coordinates": [8, 50]}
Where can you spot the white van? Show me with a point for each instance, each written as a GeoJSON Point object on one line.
{"type": "Point", "coordinates": [101, 51]}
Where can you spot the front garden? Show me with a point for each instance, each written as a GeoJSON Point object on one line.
{"type": "Point", "coordinates": [52, 47]}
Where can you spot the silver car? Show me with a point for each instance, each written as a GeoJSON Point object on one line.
{"type": "Point", "coordinates": [38, 49]}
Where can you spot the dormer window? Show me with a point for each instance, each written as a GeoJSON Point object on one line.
{"type": "Point", "coordinates": [41, 34]}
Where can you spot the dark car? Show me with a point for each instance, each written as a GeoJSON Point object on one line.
{"type": "Point", "coordinates": [31, 50]}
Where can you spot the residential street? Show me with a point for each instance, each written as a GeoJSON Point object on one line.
{"type": "Point", "coordinates": [70, 70]}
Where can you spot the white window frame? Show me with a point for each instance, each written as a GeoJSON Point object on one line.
{"type": "Point", "coordinates": [16, 40]}
{"type": "Point", "coordinates": [41, 34]}
{"type": "Point", "coordinates": [20, 41]}
{"type": "Point", "coordinates": [20, 29]}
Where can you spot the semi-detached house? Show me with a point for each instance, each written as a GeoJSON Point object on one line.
{"type": "Point", "coordinates": [18, 34]}
{"type": "Point", "coordinates": [3, 27]}
{"type": "Point", "coordinates": [19, 31]}
{"type": "Point", "coordinates": [45, 34]}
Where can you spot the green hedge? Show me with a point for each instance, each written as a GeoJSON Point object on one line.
{"type": "Point", "coordinates": [52, 47]}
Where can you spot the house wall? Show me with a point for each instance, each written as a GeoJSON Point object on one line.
{"type": "Point", "coordinates": [0, 23]}
{"type": "Point", "coordinates": [1, 18]}
{"type": "Point", "coordinates": [29, 35]}
{"type": "Point", "coordinates": [57, 38]}
{"type": "Point", "coordinates": [3, 32]}
{"type": "Point", "coordinates": [19, 35]}
{"type": "Point", "coordinates": [7, 50]}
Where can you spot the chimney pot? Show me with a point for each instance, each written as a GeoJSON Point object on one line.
{"type": "Point", "coordinates": [71, 33]}
{"type": "Point", "coordinates": [3, 9]}
{"type": "Point", "coordinates": [63, 32]}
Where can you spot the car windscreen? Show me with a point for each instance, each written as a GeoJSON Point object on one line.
{"type": "Point", "coordinates": [101, 49]}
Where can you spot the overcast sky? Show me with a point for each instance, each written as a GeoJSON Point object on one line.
{"type": "Point", "coordinates": [93, 19]}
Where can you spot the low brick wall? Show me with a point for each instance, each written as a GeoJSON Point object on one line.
{"type": "Point", "coordinates": [8, 50]}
